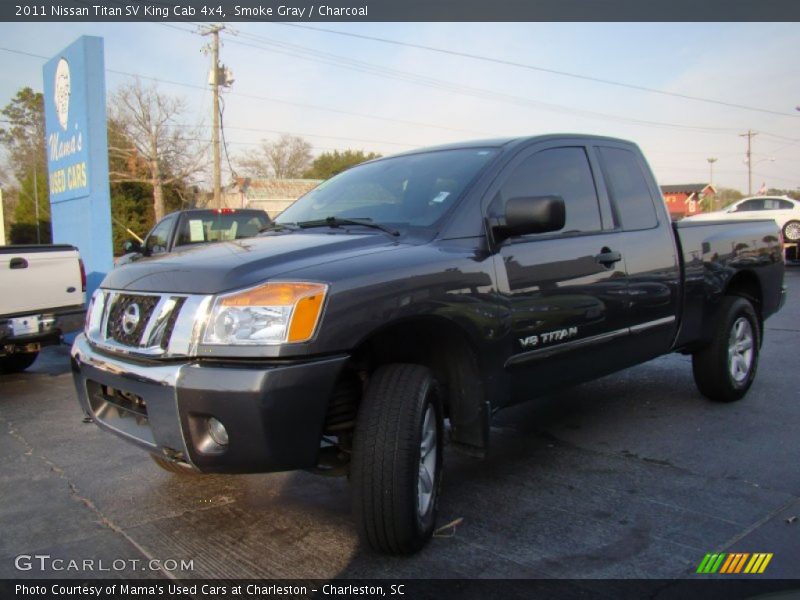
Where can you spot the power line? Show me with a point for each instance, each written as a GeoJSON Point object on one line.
{"type": "Point", "coordinates": [274, 100]}
{"type": "Point", "coordinates": [550, 71]}
{"type": "Point", "coordinates": [305, 53]}
{"type": "Point", "coordinates": [328, 58]}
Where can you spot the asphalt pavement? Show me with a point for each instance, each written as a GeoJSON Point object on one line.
{"type": "Point", "coordinates": [631, 476]}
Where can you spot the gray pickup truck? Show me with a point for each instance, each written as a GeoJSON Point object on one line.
{"type": "Point", "coordinates": [402, 303]}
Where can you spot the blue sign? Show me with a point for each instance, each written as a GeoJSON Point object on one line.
{"type": "Point", "coordinates": [77, 154]}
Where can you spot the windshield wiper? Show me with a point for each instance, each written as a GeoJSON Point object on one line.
{"type": "Point", "coordinates": [278, 227]}
{"type": "Point", "coordinates": [338, 222]}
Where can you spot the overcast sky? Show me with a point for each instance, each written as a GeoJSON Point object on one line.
{"type": "Point", "coordinates": [398, 97]}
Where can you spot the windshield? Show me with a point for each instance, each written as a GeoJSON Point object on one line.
{"type": "Point", "coordinates": [405, 191]}
{"type": "Point", "coordinates": [212, 226]}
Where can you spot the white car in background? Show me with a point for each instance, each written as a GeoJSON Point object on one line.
{"type": "Point", "coordinates": [784, 210]}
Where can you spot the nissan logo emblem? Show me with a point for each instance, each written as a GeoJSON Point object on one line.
{"type": "Point", "coordinates": [130, 318]}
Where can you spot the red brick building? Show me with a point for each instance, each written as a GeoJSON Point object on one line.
{"type": "Point", "coordinates": [684, 199]}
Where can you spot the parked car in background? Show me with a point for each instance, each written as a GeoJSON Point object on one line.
{"type": "Point", "coordinates": [186, 228]}
{"type": "Point", "coordinates": [42, 298]}
{"type": "Point", "coordinates": [784, 210]}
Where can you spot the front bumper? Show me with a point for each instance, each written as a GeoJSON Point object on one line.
{"type": "Point", "coordinates": [273, 413]}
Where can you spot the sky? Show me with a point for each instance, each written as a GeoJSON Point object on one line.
{"type": "Point", "coordinates": [342, 92]}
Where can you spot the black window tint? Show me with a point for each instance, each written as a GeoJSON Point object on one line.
{"type": "Point", "coordinates": [785, 205]}
{"type": "Point", "coordinates": [563, 172]}
{"type": "Point", "coordinates": [157, 240]}
{"type": "Point", "coordinates": [750, 205]}
{"type": "Point", "coordinates": [628, 187]}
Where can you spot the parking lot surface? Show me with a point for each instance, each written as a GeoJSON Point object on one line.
{"type": "Point", "coordinates": [633, 475]}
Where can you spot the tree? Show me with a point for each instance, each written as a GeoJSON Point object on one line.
{"type": "Point", "coordinates": [781, 192]}
{"type": "Point", "coordinates": [156, 146]}
{"type": "Point", "coordinates": [24, 142]}
{"type": "Point", "coordinates": [328, 164]}
{"type": "Point", "coordinates": [286, 158]}
{"type": "Point", "coordinates": [726, 196]}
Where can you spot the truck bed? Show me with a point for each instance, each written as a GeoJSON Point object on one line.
{"type": "Point", "coordinates": [713, 252]}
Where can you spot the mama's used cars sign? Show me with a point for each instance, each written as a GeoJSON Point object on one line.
{"type": "Point", "coordinates": [77, 153]}
{"type": "Point", "coordinates": [66, 115]}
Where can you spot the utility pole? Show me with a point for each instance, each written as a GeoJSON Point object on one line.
{"type": "Point", "coordinates": [711, 160]}
{"type": "Point", "coordinates": [36, 205]}
{"type": "Point", "coordinates": [749, 135]}
{"type": "Point", "coordinates": [214, 81]}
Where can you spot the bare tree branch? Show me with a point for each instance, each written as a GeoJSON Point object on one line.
{"type": "Point", "coordinates": [162, 149]}
{"type": "Point", "coordinates": [286, 158]}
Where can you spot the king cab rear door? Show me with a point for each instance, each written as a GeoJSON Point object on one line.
{"type": "Point", "coordinates": [645, 236]}
{"type": "Point", "coordinates": [564, 293]}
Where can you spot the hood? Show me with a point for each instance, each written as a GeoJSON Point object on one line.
{"type": "Point", "coordinates": [228, 266]}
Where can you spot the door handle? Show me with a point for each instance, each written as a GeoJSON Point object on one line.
{"type": "Point", "coordinates": [18, 263]}
{"type": "Point", "coordinates": [608, 257]}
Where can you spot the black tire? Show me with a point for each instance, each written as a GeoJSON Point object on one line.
{"type": "Point", "coordinates": [713, 365]}
{"type": "Point", "coordinates": [16, 363]}
{"type": "Point", "coordinates": [174, 467]}
{"type": "Point", "coordinates": [386, 460]}
{"type": "Point", "coordinates": [792, 227]}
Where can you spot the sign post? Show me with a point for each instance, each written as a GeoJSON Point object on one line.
{"type": "Point", "coordinates": [77, 154]}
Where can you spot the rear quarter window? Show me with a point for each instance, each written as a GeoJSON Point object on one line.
{"type": "Point", "coordinates": [628, 189]}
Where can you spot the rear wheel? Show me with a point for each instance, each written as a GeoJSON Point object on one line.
{"type": "Point", "coordinates": [397, 459]}
{"type": "Point", "coordinates": [791, 231]}
{"type": "Point", "coordinates": [16, 363]}
{"type": "Point", "coordinates": [725, 369]}
{"type": "Point", "coordinates": [174, 467]}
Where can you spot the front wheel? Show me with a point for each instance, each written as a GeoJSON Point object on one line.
{"type": "Point", "coordinates": [724, 370]}
{"type": "Point", "coordinates": [397, 459]}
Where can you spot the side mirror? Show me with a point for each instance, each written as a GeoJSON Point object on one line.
{"type": "Point", "coordinates": [131, 246]}
{"type": "Point", "coordinates": [533, 214]}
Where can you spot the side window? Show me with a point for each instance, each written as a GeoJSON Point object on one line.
{"type": "Point", "coordinates": [750, 205]}
{"type": "Point", "coordinates": [156, 242]}
{"type": "Point", "coordinates": [563, 172]}
{"type": "Point", "coordinates": [628, 188]}
{"type": "Point", "coordinates": [785, 205]}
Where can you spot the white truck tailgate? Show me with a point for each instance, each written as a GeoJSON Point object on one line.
{"type": "Point", "coordinates": [36, 278]}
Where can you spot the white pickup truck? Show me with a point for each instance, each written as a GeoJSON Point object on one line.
{"type": "Point", "coordinates": [42, 291]}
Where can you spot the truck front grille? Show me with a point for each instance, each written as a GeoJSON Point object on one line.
{"type": "Point", "coordinates": [141, 323]}
{"type": "Point", "coordinates": [128, 318]}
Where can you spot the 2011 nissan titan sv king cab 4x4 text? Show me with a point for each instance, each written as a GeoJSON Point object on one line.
{"type": "Point", "coordinates": [433, 287]}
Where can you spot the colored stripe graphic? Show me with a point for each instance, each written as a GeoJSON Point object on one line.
{"type": "Point", "coordinates": [729, 563]}
{"type": "Point", "coordinates": [725, 563]}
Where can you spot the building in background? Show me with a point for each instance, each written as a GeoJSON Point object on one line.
{"type": "Point", "coordinates": [271, 195]}
{"type": "Point", "coordinates": [685, 199]}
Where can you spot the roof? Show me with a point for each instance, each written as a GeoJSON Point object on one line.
{"type": "Point", "coordinates": [690, 188]}
{"type": "Point", "coordinates": [509, 142]}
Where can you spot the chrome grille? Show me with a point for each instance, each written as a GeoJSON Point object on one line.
{"type": "Point", "coordinates": [121, 309]}
{"type": "Point", "coordinates": [166, 325]}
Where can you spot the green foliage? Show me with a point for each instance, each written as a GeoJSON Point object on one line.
{"type": "Point", "coordinates": [725, 197]}
{"type": "Point", "coordinates": [131, 208]}
{"type": "Point", "coordinates": [794, 194]}
{"type": "Point", "coordinates": [23, 139]}
{"type": "Point", "coordinates": [328, 164]}
{"type": "Point", "coordinates": [23, 230]}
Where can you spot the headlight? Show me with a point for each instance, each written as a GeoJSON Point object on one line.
{"type": "Point", "coordinates": [274, 313]}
